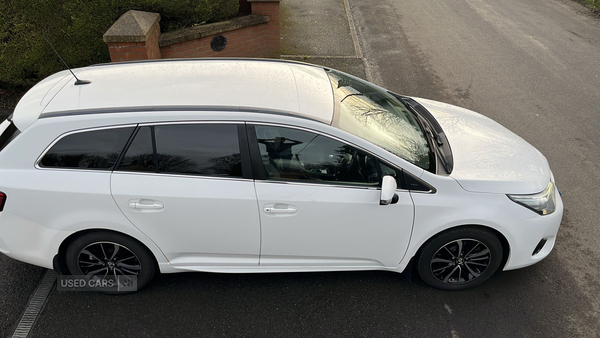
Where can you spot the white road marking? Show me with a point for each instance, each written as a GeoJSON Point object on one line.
{"type": "Point", "coordinates": [448, 308]}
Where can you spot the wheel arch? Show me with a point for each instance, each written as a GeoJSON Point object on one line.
{"type": "Point", "coordinates": [505, 245]}
{"type": "Point", "coordinates": [59, 261]}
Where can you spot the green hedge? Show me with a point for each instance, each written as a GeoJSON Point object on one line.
{"type": "Point", "coordinates": [75, 28]}
{"type": "Point", "coordinates": [595, 4]}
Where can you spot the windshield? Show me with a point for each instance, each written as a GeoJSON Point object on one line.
{"type": "Point", "coordinates": [374, 115]}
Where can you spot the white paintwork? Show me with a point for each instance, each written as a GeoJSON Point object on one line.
{"type": "Point", "coordinates": [487, 156]}
{"type": "Point", "coordinates": [203, 221]}
{"type": "Point", "coordinates": [31, 105]}
{"type": "Point", "coordinates": [4, 125]}
{"type": "Point", "coordinates": [332, 226]}
{"type": "Point", "coordinates": [388, 188]}
{"type": "Point", "coordinates": [227, 225]}
{"type": "Point", "coordinates": [290, 87]}
{"type": "Point", "coordinates": [452, 206]}
{"type": "Point", "coordinates": [65, 202]}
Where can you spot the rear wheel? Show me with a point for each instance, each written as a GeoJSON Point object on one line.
{"type": "Point", "coordinates": [107, 258]}
{"type": "Point", "coordinates": [460, 258]}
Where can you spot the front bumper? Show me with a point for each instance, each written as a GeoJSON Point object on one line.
{"type": "Point", "coordinates": [527, 234]}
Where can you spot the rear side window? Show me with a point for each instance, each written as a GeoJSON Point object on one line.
{"type": "Point", "coordinates": [96, 149]}
{"type": "Point", "coordinates": [189, 149]}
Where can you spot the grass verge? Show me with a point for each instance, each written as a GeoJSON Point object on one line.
{"type": "Point", "coordinates": [594, 4]}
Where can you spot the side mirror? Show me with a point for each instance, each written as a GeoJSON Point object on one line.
{"type": "Point", "coordinates": [388, 191]}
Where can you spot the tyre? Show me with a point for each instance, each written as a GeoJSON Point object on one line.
{"type": "Point", "coordinates": [107, 256]}
{"type": "Point", "coordinates": [460, 258]}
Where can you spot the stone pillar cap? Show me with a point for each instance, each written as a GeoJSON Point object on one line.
{"type": "Point", "coordinates": [133, 26]}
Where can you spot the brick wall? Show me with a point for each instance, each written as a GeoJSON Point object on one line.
{"type": "Point", "coordinates": [152, 47]}
{"type": "Point", "coordinates": [256, 35]}
{"type": "Point", "coordinates": [245, 42]}
{"type": "Point", "coordinates": [129, 51]}
{"type": "Point", "coordinates": [272, 35]}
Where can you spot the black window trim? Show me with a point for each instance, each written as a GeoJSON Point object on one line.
{"type": "Point", "coordinates": [242, 139]}
{"type": "Point", "coordinates": [247, 170]}
{"type": "Point", "coordinates": [260, 171]}
{"type": "Point", "coordinates": [8, 134]}
{"type": "Point", "coordinates": [252, 168]}
{"type": "Point", "coordinates": [83, 130]}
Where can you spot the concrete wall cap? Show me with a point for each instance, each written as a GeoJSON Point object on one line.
{"type": "Point", "coordinates": [133, 26]}
{"type": "Point", "coordinates": [263, 0]}
{"type": "Point", "coordinates": [186, 34]}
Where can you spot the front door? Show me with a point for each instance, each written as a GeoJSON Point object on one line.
{"type": "Point", "coordinates": [183, 186]}
{"type": "Point", "coordinates": [319, 204]}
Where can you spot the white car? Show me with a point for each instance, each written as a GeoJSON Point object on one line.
{"type": "Point", "coordinates": [246, 166]}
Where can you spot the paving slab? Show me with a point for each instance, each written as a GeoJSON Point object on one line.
{"type": "Point", "coordinates": [315, 27]}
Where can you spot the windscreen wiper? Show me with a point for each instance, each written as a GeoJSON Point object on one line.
{"type": "Point", "coordinates": [437, 143]}
{"type": "Point", "coordinates": [434, 134]}
{"type": "Point", "coordinates": [354, 94]}
{"type": "Point", "coordinates": [423, 120]}
{"type": "Point", "coordinates": [442, 158]}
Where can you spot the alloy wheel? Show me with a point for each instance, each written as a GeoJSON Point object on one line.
{"type": "Point", "coordinates": [102, 260]}
{"type": "Point", "coordinates": [460, 261]}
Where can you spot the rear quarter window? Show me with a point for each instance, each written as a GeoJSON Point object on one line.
{"type": "Point", "coordinates": [94, 149]}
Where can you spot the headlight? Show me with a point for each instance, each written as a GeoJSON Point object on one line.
{"type": "Point", "coordinates": [543, 203]}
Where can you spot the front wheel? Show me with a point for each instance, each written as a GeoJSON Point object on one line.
{"type": "Point", "coordinates": [110, 259]}
{"type": "Point", "coordinates": [460, 258]}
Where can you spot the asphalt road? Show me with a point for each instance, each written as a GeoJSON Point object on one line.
{"type": "Point", "coordinates": [361, 304]}
{"type": "Point", "coordinates": [533, 66]}
{"type": "Point", "coordinates": [17, 283]}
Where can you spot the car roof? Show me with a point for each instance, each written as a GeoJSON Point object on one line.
{"type": "Point", "coordinates": [240, 84]}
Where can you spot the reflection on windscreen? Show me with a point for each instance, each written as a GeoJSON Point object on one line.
{"type": "Point", "coordinates": [377, 117]}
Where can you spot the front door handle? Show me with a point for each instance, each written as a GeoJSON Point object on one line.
{"type": "Point", "coordinates": [280, 209]}
{"type": "Point", "coordinates": [146, 205]}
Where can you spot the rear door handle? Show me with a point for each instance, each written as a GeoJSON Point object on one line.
{"type": "Point", "coordinates": [146, 205]}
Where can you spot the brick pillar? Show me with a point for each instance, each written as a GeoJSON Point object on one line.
{"type": "Point", "coordinates": [269, 8]}
{"type": "Point", "coordinates": [134, 36]}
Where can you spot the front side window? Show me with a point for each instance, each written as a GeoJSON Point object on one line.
{"type": "Point", "coordinates": [376, 116]}
{"type": "Point", "coordinates": [189, 149]}
{"type": "Point", "coordinates": [297, 155]}
{"type": "Point", "coordinates": [95, 149]}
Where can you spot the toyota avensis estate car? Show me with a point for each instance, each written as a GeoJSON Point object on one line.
{"type": "Point", "coordinates": [241, 165]}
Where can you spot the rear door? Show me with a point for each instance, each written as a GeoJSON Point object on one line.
{"type": "Point", "coordinates": [188, 187]}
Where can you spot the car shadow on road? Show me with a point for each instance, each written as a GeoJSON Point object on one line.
{"type": "Point", "coordinates": [536, 301]}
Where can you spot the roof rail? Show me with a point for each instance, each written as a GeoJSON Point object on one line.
{"type": "Point", "coordinates": [114, 110]}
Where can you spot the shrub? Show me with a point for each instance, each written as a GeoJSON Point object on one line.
{"type": "Point", "coordinates": [75, 28]}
